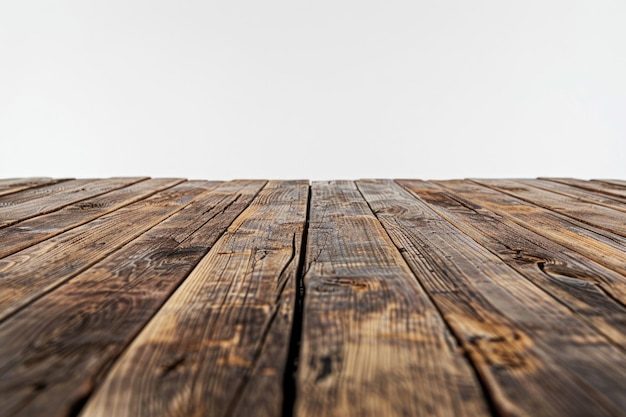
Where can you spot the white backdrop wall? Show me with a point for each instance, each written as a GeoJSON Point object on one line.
{"type": "Point", "coordinates": [313, 89]}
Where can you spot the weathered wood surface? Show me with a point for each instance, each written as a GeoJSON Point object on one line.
{"type": "Point", "coordinates": [579, 283]}
{"type": "Point", "coordinates": [373, 343]}
{"type": "Point", "coordinates": [28, 274]}
{"type": "Point", "coordinates": [167, 297]}
{"type": "Point", "coordinates": [222, 338]}
{"type": "Point", "coordinates": [593, 214]}
{"type": "Point", "coordinates": [594, 191]}
{"type": "Point", "coordinates": [620, 183]}
{"type": "Point", "coordinates": [29, 232]}
{"type": "Point", "coordinates": [62, 195]}
{"type": "Point", "coordinates": [10, 186]}
{"type": "Point", "coordinates": [603, 247]}
{"type": "Point", "coordinates": [45, 189]}
{"type": "Point", "coordinates": [508, 325]}
{"type": "Point", "coordinates": [117, 296]}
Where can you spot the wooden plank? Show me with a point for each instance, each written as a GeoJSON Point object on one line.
{"type": "Point", "coordinates": [18, 212]}
{"type": "Point", "coordinates": [581, 284]}
{"type": "Point", "coordinates": [14, 185]}
{"type": "Point", "coordinates": [620, 183]}
{"type": "Point", "coordinates": [595, 244]}
{"type": "Point", "coordinates": [616, 192]}
{"type": "Point", "coordinates": [218, 346]}
{"type": "Point", "coordinates": [35, 230]}
{"type": "Point", "coordinates": [77, 331]}
{"type": "Point", "coordinates": [611, 220]}
{"type": "Point", "coordinates": [43, 191]}
{"type": "Point", "coordinates": [586, 196]}
{"type": "Point", "coordinates": [373, 343]}
{"type": "Point", "coordinates": [11, 182]}
{"type": "Point", "coordinates": [533, 354]}
{"type": "Point", "coordinates": [30, 273]}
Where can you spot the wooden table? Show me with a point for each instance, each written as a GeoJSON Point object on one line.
{"type": "Point", "coordinates": [165, 297]}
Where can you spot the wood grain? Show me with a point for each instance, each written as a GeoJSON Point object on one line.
{"type": "Point", "coordinates": [581, 284]}
{"type": "Point", "coordinates": [207, 351]}
{"type": "Point", "coordinates": [14, 185]}
{"type": "Point", "coordinates": [49, 202]}
{"type": "Point", "coordinates": [589, 198]}
{"type": "Point", "coordinates": [508, 326]}
{"type": "Point", "coordinates": [30, 273]}
{"type": "Point", "coordinates": [35, 230]}
{"type": "Point", "coordinates": [602, 247]}
{"type": "Point", "coordinates": [373, 343]}
{"type": "Point", "coordinates": [616, 192]}
{"type": "Point", "coordinates": [595, 215]}
{"type": "Point", "coordinates": [78, 330]}
{"type": "Point", "coordinates": [43, 191]}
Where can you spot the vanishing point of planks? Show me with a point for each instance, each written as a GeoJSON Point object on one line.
{"type": "Point", "coordinates": [133, 297]}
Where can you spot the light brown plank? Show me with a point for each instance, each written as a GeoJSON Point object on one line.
{"type": "Point", "coordinates": [608, 219]}
{"type": "Point", "coordinates": [30, 273]}
{"type": "Point", "coordinates": [581, 284]}
{"type": "Point", "coordinates": [586, 196]}
{"type": "Point", "coordinates": [534, 355]}
{"type": "Point", "coordinates": [218, 346]}
{"type": "Point", "coordinates": [14, 185]}
{"type": "Point", "coordinates": [595, 244]}
{"type": "Point", "coordinates": [18, 212]}
{"type": "Point", "coordinates": [615, 192]}
{"type": "Point", "coordinates": [373, 344]}
{"type": "Point", "coordinates": [35, 230]}
{"type": "Point", "coordinates": [76, 332]}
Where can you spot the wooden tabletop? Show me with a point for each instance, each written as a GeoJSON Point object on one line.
{"type": "Point", "coordinates": [132, 297]}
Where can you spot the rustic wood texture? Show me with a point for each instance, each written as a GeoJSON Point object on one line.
{"type": "Point", "coordinates": [579, 283]}
{"type": "Point", "coordinates": [592, 214]}
{"type": "Point", "coordinates": [60, 197]}
{"type": "Point", "coordinates": [373, 343]}
{"type": "Point", "coordinates": [605, 248]}
{"type": "Point", "coordinates": [614, 191]}
{"type": "Point", "coordinates": [206, 351]}
{"type": "Point", "coordinates": [584, 195]}
{"type": "Point", "coordinates": [29, 232]}
{"type": "Point", "coordinates": [29, 273]}
{"type": "Point", "coordinates": [10, 186]}
{"type": "Point", "coordinates": [169, 297]}
{"type": "Point", "coordinates": [44, 190]}
{"type": "Point", "coordinates": [506, 324]}
{"type": "Point", "coordinates": [620, 183]}
{"type": "Point", "coordinates": [117, 296]}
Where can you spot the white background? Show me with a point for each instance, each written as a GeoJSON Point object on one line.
{"type": "Point", "coordinates": [313, 89]}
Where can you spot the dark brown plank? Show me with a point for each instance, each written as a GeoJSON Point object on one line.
{"type": "Point", "coordinates": [78, 330]}
{"type": "Point", "coordinates": [595, 244]}
{"type": "Point", "coordinates": [26, 275]}
{"type": "Point", "coordinates": [585, 196]}
{"type": "Point", "coordinates": [616, 192]}
{"type": "Point", "coordinates": [608, 219]}
{"type": "Point", "coordinates": [581, 284]}
{"type": "Point", "coordinates": [373, 343]}
{"type": "Point", "coordinates": [533, 354]}
{"type": "Point", "coordinates": [29, 232]}
{"type": "Point", "coordinates": [219, 345]}
{"type": "Point", "coordinates": [18, 212]}
{"type": "Point", "coordinates": [14, 185]}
